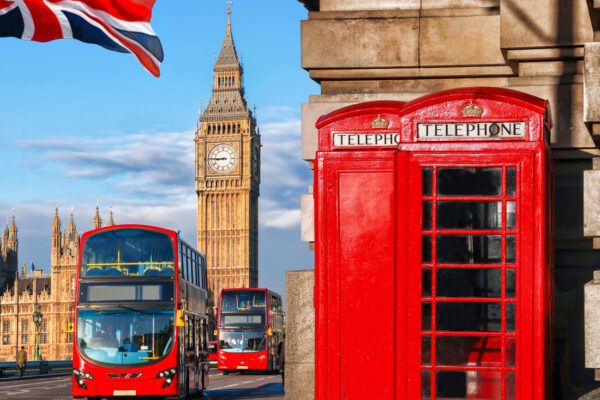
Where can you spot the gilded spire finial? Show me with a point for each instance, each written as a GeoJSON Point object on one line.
{"type": "Point", "coordinates": [228, 6]}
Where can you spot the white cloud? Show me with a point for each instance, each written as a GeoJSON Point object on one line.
{"type": "Point", "coordinates": [149, 179]}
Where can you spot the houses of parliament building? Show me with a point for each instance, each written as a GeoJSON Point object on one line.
{"type": "Point", "coordinates": [20, 292]}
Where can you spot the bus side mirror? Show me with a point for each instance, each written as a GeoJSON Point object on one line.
{"type": "Point", "coordinates": [180, 320]}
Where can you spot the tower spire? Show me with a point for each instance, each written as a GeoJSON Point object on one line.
{"type": "Point", "coordinates": [13, 227]}
{"type": "Point", "coordinates": [97, 219]}
{"type": "Point", "coordinates": [56, 220]}
{"type": "Point", "coordinates": [72, 228]}
{"type": "Point", "coordinates": [228, 55]}
{"type": "Point", "coordinates": [111, 221]}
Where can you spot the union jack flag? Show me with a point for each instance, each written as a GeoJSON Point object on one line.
{"type": "Point", "coordinates": [119, 25]}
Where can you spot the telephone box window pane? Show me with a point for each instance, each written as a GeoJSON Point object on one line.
{"type": "Point", "coordinates": [426, 317]}
{"type": "Point", "coordinates": [469, 282]}
{"type": "Point", "coordinates": [511, 281]}
{"type": "Point", "coordinates": [458, 385]}
{"type": "Point", "coordinates": [469, 215]}
{"type": "Point", "coordinates": [468, 350]}
{"type": "Point", "coordinates": [468, 317]}
{"type": "Point", "coordinates": [511, 249]}
{"type": "Point", "coordinates": [426, 282]}
{"type": "Point", "coordinates": [511, 386]}
{"type": "Point", "coordinates": [468, 249]}
{"type": "Point", "coordinates": [426, 249]}
{"type": "Point", "coordinates": [427, 181]}
{"type": "Point", "coordinates": [511, 214]}
{"type": "Point", "coordinates": [452, 384]}
{"type": "Point", "coordinates": [426, 384]}
{"type": "Point", "coordinates": [469, 181]}
{"type": "Point", "coordinates": [511, 181]}
{"type": "Point", "coordinates": [510, 351]}
{"type": "Point", "coordinates": [426, 350]}
{"type": "Point", "coordinates": [510, 317]}
{"type": "Point", "coordinates": [426, 215]}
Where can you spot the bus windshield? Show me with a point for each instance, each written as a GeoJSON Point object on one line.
{"type": "Point", "coordinates": [128, 252]}
{"type": "Point", "coordinates": [242, 341]}
{"type": "Point", "coordinates": [125, 336]}
{"type": "Point", "coordinates": [243, 300]}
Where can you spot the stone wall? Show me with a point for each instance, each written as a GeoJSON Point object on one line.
{"type": "Point", "coordinates": [300, 335]}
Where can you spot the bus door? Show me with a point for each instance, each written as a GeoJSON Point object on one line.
{"type": "Point", "coordinates": [182, 363]}
{"type": "Point", "coordinates": [470, 229]}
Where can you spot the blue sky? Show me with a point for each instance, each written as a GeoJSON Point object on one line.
{"type": "Point", "coordinates": [81, 125]}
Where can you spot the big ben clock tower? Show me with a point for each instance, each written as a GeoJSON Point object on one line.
{"type": "Point", "coordinates": [227, 178]}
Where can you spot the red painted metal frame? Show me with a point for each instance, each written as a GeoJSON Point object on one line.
{"type": "Point", "coordinates": [523, 230]}
{"type": "Point", "coordinates": [368, 263]}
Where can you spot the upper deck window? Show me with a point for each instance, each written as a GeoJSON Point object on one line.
{"type": "Point", "coordinates": [128, 252]}
{"type": "Point", "coordinates": [246, 300]}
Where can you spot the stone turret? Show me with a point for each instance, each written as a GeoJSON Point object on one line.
{"type": "Point", "coordinates": [97, 219]}
{"type": "Point", "coordinates": [56, 239]}
{"type": "Point", "coordinates": [9, 255]}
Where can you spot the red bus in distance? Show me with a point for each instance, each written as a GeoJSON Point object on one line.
{"type": "Point", "coordinates": [250, 330]}
{"type": "Point", "coordinates": [141, 315]}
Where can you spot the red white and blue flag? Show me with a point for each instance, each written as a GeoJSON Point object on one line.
{"type": "Point", "coordinates": [119, 25]}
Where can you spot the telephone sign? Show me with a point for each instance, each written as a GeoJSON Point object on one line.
{"type": "Point", "coordinates": [433, 248]}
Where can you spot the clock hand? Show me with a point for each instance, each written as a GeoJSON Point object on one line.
{"type": "Point", "coordinates": [217, 158]}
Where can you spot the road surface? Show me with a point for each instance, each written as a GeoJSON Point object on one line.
{"type": "Point", "coordinates": [222, 387]}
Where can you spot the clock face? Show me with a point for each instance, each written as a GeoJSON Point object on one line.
{"type": "Point", "coordinates": [222, 158]}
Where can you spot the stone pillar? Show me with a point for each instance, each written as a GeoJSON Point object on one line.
{"type": "Point", "coordinates": [592, 327]}
{"type": "Point", "coordinates": [300, 335]}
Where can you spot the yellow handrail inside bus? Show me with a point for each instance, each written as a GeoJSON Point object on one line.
{"type": "Point", "coordinates": [152, 265]}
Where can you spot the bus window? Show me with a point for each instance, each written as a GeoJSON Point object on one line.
{"type": "Point", "coordinates": [131, 252]}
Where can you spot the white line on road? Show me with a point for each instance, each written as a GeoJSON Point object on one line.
{"type": "Point", "coordinates": [236, 384]}
{"type": "Point", "coordinates": [22, 391]}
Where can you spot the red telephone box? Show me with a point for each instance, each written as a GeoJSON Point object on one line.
{"type": "Point", "coordinates": [434, 248]}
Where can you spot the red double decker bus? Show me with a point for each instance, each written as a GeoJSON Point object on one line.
{"type": "Point", "coordinates": [250, 329]}
{"type": "Point", "coordinates": [141, 315]}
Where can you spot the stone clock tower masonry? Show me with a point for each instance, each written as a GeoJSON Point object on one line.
{"type": "Point", "coordinates": [228, 178]}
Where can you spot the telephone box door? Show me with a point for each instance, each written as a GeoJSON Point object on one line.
{"type": "Point", "coordinates": [470, 253]}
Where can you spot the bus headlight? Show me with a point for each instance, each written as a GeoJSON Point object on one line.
{"type": "Point", "coordinates": [168, 374]}
{"type": "Point", "coordinates": [81, 376]}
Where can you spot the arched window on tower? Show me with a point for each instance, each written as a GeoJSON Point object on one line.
{"type": "Point", "coordinates": [208, 129]}
{"type": "Point", "coordinates": [218, 128]}
{"type": "Point", "coordinates": [233, 81]}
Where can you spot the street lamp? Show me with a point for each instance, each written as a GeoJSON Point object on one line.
{"type": "Point", "coordinates": [37, 320]}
